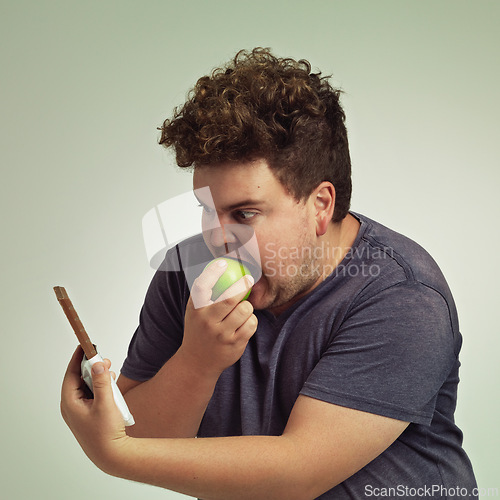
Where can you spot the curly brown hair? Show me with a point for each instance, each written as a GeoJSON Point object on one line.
{"type": "Point", "coordinates": [263, 107]}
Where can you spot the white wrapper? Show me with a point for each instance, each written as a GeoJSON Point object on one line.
{"type": "Point", "coordinates": [120, 402]}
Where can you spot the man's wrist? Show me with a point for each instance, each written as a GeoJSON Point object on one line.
{"type": "Point", "coordinates": [202, 371]}
{"type": "Point", "coordinates": [121, 458]}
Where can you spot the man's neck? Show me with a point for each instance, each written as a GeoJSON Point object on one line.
{"type": "Point", "coordinates": [339, 239]}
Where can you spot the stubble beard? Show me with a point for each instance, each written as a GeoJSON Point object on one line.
{"type": "Point", "coordinates": [283, 289]}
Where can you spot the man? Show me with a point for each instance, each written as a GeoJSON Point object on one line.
{"type": "Point", "coordinates": [337, 378]}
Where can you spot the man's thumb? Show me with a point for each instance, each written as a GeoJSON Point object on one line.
{"type": "Point", "coordinates": [101, 384]}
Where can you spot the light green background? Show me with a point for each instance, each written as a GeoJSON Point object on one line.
{"type": "Point", "coordinates": [84, 86]}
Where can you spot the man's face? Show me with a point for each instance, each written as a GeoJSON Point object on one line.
{"type": "Point", "coordinates": [249, 194]}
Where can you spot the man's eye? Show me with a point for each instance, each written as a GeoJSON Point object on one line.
{"type": "Point", "coordinates": [244, 215]}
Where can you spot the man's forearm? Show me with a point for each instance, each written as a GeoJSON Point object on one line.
{"type": "Point", "coordinates": [172, 403]}
{"type": "Point", "coordinates": [219, 468]}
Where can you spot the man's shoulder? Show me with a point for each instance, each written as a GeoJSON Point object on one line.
{"type": "Point", "coordinates": [415, 261]}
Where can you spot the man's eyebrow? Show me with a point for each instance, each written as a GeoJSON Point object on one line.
{"type": "Point", "coordinates": [245, 203]}
{"type": "Point", "coordinates": [248, 202]}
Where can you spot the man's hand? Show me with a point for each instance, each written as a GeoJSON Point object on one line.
{"type": "Point", "coordinates": [215, 336]}
{"type": "Point", "coordinates": [216, 333]}
{"type": "Point", "coordinates": [96, 423]}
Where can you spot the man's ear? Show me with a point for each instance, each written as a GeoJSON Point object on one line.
{"type": "Point", "coordinates": [324, 204]}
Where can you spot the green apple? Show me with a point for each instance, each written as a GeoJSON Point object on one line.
{"type": "Point", "coordinates": [235, 270]}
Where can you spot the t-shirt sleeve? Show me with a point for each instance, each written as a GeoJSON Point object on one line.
{"type": "Point", "coordinates": [390, 355]}
{"type": "Point", "coordinates": [161, 326]}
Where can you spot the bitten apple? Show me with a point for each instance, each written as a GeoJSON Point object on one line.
{"type": "Point", "coordinates": [235, 270]}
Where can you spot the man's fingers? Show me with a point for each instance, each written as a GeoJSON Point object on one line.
{"type": "Point", "coordinates": [201, 291]}
{"type": "Point", "coordinates": [72, 378]}
{"type": "Point", "coordinates": [107, 362]}
{"type": "Point", "coordinates": [229, 299]}
{"type": "Point", "coordinates": [74, 365]}
{"type": "Point", "coordinates": [241, 319]}
{"type": "Point", "coordinates": [241, 287]}
{"type": "Point", "coordinates": [71, 389]}
{"type": "Point", "coordinates": [213, 272]}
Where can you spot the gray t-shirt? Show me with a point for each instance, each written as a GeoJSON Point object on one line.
{"type": "Point", "coordinates": [380, 335]}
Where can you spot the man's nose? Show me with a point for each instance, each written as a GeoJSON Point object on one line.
{"type": "Point", "coordinates": [222, 236]}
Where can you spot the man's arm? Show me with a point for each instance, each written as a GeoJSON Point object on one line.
{"type": "Point", "coordinates": [322, 445]}
{"type": "Point", "coordinates": [173, 402]}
